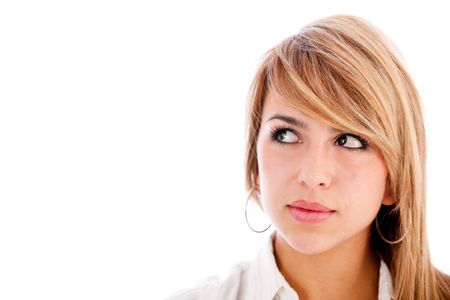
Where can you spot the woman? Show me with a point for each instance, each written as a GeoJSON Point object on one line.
{"type": "Point", "coordinates": [336, 159]}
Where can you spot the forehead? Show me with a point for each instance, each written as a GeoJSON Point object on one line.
{"type": "Point", "coordinates": [275, 108]}
{"type": "Point", "coordinates": [275, 104]}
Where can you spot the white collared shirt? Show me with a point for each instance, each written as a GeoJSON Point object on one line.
{"type": "Point", "coordinates": [260, 279]}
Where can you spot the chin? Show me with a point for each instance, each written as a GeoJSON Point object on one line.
{"type": "Point", "coordinates": [310, 249]}
{"type": "Point", "coordinates": [309, 244]}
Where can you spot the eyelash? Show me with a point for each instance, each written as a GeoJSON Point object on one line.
{"type": "Point", "coordinates": [278, 129]}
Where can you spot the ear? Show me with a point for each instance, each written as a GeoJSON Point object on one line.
{"type": "Point", "coordinates": [388, 198]}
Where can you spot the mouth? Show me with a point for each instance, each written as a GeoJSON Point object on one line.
{"type": "Point", "coordinates": [309, 212]}
{"type": "Point", "coordinates": [313, 206]}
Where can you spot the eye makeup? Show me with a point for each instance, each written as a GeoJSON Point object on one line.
{"type": "Point", "coordinates": [277, 131]}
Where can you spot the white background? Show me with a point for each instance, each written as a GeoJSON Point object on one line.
{"type": "Point", "coordinates": [122, 136]}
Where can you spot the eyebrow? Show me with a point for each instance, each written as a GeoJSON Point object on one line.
{"type": "Point", "coordinates": [290, 120]}
{"type": "Point", "coordinates": [294, 122]}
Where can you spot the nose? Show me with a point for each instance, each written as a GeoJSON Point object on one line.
{"type": "Point", "coordinates": [315, 168]}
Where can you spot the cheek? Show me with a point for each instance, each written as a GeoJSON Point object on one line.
{"type": "Point", "coordinates": [274, 168]}
{"type": "Point", "coordinates": [272, 178]}
{"type": "Point", "coordinates": [362, 184]}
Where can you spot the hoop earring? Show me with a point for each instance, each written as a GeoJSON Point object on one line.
{"type": "Point", "coordinates": [396, 241]}
{"type": "Point", "coordinates": [246, 218]}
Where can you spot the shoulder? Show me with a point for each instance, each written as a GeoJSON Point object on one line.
{"type": "Point", "coordinates": [256, 279]}
{"type": "Point", "coordinates": [230, 286]}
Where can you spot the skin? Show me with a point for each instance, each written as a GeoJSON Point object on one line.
{"type": "Point", "coordinates": [332, 259]}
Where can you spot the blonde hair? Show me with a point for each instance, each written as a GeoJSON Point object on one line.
{"type": "Point", "coordinates": [343, 71]}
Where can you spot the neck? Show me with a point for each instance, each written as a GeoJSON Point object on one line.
{"type": "Point", "coordinates": [349, 270]}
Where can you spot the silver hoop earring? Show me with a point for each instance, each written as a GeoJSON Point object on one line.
{"type": "Point", "coordinates": [246, 218]}
{"type": "Point", "coordinates": [397, 241]}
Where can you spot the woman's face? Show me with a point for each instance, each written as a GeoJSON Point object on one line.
{"type": "Point", "coordinates": [320, 187]}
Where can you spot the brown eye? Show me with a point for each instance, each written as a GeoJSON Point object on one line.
{"type": "Point", "coordinates": [352, 142]}
{"type": "Point", "coordinates": [284, 136]}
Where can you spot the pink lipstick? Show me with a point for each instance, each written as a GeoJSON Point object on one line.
{"type": "Point", "coordinates": [309, 212]}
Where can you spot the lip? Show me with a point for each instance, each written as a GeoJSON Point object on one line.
{"type": "Point", "coordinates": [314, 206]}
{"type": "Point", "coordinates": [309, 212]}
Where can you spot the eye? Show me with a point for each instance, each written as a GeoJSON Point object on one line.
{"type": "Point", "coordinates": [352, 142]}
{"type": "Point", "coordinates": [284, 136]}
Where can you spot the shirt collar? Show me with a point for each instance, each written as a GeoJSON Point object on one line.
{"type": "Point", "coordinates": [271, 280]}
{"type": "Point", "coordinates": [384, 282]}
{"type": "Point", "coordinates": [272, 283]}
